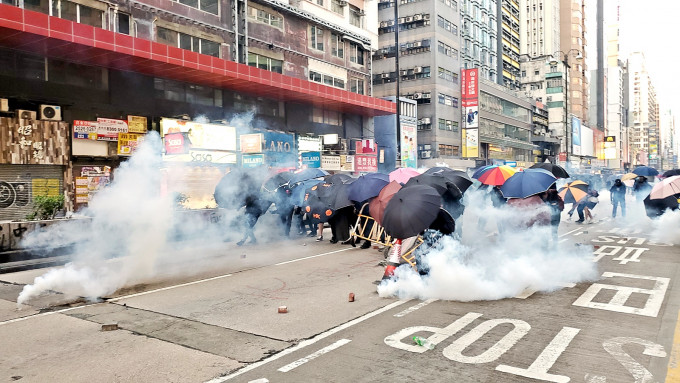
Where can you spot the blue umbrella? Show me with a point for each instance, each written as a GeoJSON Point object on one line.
{"type": "Point", "coordinates": [380, 176]}
{"type": "Point", "coordinates": [366, 187]}
{"type": "Point", "coordinates": [297, 194]}
{"type": "Point", "coordinates": [527, 183]}
{"type": "Point", "coordinates": [646, 171]}
{"type": "Point", "coordinates": [307, 174]}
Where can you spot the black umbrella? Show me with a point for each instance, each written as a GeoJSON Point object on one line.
{"type": "Point", "coordinates": [671, 173]}
{"type": "Point", "coordinates": [338, 178]}
{"type": "Point", "coordinates": [324, 199]}
{"type": "Point", "coordinates": [656, 207]}
{"type": "Point", "coordinates": [457, 177]}
{"type": "Point", "coordinates": [441, 184]}
{"type": "Point", "coordinates": [231, 191]}
{"type": "Point", "coordinates": [556, 170]}
{"type": "Point", "coordinates": [307, 174]}
{"type": "Point", "coordinates": [411, 210]}
{"type": "Point", "coordinates": [277, 181]}
{"type": "Point", "coordinates": [364, 188]}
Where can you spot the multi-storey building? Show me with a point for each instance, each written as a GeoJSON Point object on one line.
{"type": "Point", "coordinates": [509, 43]}
{"type": "Point", "coordinates": [265, 65]}
{"type": "Point", "coordinates": [539, 30]}
{"type": "Point", "coordinates": [642, 107]}
{"type": "Point", "coordinates": [669, 141]}
{"type": "Point", "coordinates": [480, 38]}
{"type": "Point", "coordinates": [573, 42]}
{"type": "Point", "coordinates": [429, 69]}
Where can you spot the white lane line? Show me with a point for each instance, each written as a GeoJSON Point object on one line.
{"type": "Point", "coordinates": [169, 288]}
{"type": "Point", "coordinates": [529, 291]}
{"type": "Point", "coordinates": [414, 308]}
{"type": "Point", "coordinates": [308, 342]}
{"type": "Point", "coordinates": [47, 313]}
{"type": "Point", "coordinates": [313, 256]}
{"type": "Point", "coordinates": [569, 232]}
{"type": "Point", "coordinates": [261, 380]}
{"type": "Point", "coordinates": [563, 240]}
{"type": "Point", "coordinates": [314, 355]}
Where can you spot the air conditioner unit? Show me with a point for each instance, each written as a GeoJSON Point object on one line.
{"type": "Point", "coordinates": [383, 24]}
{"type": "Point", "coordinates": [27, 114]}
{"type": "Point", "coordinates": [390, 23]}
{"type": "Point", "coordinates": [417, 44]}
{"type": "Point", "coordinates": [426, 120]}
{"type": "Point", "coordinates": [427, 95]}
{"type": "Point", "coordinates": [417, 17]}
{"type": "Point", "coordinates": [385, 75]}
{"type": "Point", "coordinates": [426, 16]}
{"type": "Point", "coordinates": [417, 96]}
{"type": "Point", "coordinates": [401, 20]}
{"type": "Point", "coordinates": [408, 19]}
{"type": "Point", "coordinates": [426, 43]}
{"type": "Point", "coordinates": [50, 112]}
{"type": "Point", "coordinates": [425, 154]}
{"type": "Point", "coordinates": [403, 72]}
{"type": "Point", "coordinates": [418, 69]}
{"type": "Point", "coordinates": [342, 3]}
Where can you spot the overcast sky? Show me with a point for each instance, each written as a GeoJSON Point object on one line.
{"type": "Point", "coordinates": [653, 27]}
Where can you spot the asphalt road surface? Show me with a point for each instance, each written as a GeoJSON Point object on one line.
{"type": "Point", "coordinates": [221, 324]}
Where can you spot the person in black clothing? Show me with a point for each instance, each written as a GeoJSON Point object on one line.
{"type": "Point", "coordinates": [641, 188]}
{"type": "Point", "coordinates": [556, 204]}
{"type": "Point", "coordinates": [618, 197]}
{"type": "Point", "coordinates": [340, 223]}
{"type": "Point", "coordinates": [285, 208]}
{"type": "Point", "coordinates": [254, 209]}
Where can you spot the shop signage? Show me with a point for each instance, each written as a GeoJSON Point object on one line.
{"type": "Point", "coordinates": [252, 160]}
{"type": "Point", "coordinates": [311, 159]}
{"type": "Point", "coordinates": [364, 163]}
{"type": "Point", "coordinates": [108, 129]}
{"type": "Point", "coordinates": [409, 144]}
{"type": "Point", "coordinates": [128, 143]}
{"type": "Point", "coordinates": [137, 124]}
{"type": "Point", "coordinates": [212, 156]}
{"type": "Point", "coordinates": [470, 97]}
{"type": "Point", "coordinates": [202, 136]}
{"type": "Point", "coordinates": [175, 143]}
{"type": "Point", "coordinates": [330, 163]}
{"type": "Point", "coordinates": [309, 144]}
{"type": "Point", "coordinates": [512, 164]}
{"type": "Point", "coordinates": [471, 143]}
{"type": "Point", "coordinates": [85, 130]}
{"type": "Point", "coordinates": [279, 149]}
{"type": "Point", "coordinates": [347, 163]}
{"type": "Point", "coordinates": [251, 143]}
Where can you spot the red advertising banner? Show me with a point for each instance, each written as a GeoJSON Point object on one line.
{"type": "Point", "coordinates": [470, 85]}
{"type": "Point", "coordinates": [365, 163]}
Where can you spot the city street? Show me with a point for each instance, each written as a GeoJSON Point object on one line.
{"type": "Point", "coordinates": [223, 325]}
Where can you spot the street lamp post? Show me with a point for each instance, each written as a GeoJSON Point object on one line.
{"type": "Point", "coordinates": [565, 61]}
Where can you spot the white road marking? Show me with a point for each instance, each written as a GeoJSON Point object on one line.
{"type": "Point", "coordinates": [615, 348]}
{"type": "Point", "coordinates": [617, 303]}
{"type": "Point", "coordinates": [169, 288]}
{"type": "Point", "coordinates": [414, 308]}
{"type": "Point", "coordinates": [595, 378]}
{"type": "Point", "coordinates": [455, 350]}
{"type": "Point", "coordinates": [261, 380]}
{"type": "Point", "coordinates": [313, 256]}
{"type": "Point", "coordinates": [539, 368]}
{"type": "Point", "coordinates": [438, 334]}
{"type": "Point", "coordinates": [569, 232]}
{"type": "Point", "coordinates": [308, 342]}
{"type": "Point", "coordinates": [314, 355]}
{"type": "Point", "coordinates": [563, 240]}
{"type": "Point", "coordinates": [529, 292]}
{"type": "Point", "coordinates": [45, 314]}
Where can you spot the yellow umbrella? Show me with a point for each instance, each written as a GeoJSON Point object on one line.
{"type": "Point", "coordinates": [629, 176]}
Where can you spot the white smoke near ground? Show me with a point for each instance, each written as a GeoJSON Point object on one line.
{"type": "Point", "coordinates": [132, 233]}
{"type": "Point", "coordinates": [487, 264]}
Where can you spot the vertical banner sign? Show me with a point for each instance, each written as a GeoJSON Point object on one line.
{"type": "Point", "coordinates": [409, 144]}
{"type": "Point", "coordinates": [470, 102]}
{"type": "Point", "coordinates": [575, 136]}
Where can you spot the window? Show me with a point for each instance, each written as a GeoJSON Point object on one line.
{"type": "Point", "coordinates": [446, 24]}
{"type": "Point", "coordinates": [42, 6]}
{"type": "Point", "coordinates": [448, 150]}
{"type": "Point", "coordinates": [536, 72]}
{"type": "Point", "coordinates": [319, 2]}
{"type": "Point", "coordinates": [524, 73]}
{"type": "Point", "coordinates": [447, 75]}
{"type": "Point", "coordinates": [190, 93]}
{"type": "Point", "coordinates": [337, 7]}
{"type": "Point", "coordinates": [83, 76]}
{"type": "Point", "coordinates": [356, 54]}
{"type": "Point", "coordinates": [337, 46]}
{"type": "Point", "coordinates": [316, 37]}
{"type": "Point", "coordinates": [265, 17]}
{"type": "Point", "coordinates": [447, 50]}
{"type": "Point", "coordinates": [355, 16]}
{"type": "Point", "coordinates": [330, 117]}
{"type": "Point", "coordinates": [447, 100]}
{"type": "Point", "coordinates": [188, 42]}
{"type": "Point", "coordinates": [326, 79]}
{"type": "Point", "coordinates": [356, 86]}
{"type": "Point", "coordinates": [448, 125]}
{"type": "Point", "coordinates": [210, 6]}
{"type": "Point", "coordinates": [123, 23]}
{"type": "Point", "coordinates": [266, 63]}
{"type": "Point", "coordinates": [77, 13]}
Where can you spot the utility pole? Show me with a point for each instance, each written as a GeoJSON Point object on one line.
{"type": "Point", "coordinates": [397, 51]}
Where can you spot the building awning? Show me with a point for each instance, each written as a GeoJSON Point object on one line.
{"type": "Point", "coordinates": [507, 142]}
{"type": "Point", "coordinates": [540, 138]}
{"type": "Point", "coordinates": [53, 37]}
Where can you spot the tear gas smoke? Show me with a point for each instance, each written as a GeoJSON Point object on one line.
{"type": "Point", "coordinates": [134, 233]}
{"type": "Point", "coordinates": [486, 265]}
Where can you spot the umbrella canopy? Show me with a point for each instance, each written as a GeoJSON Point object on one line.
{"type": "Point", "coordinates": [668, 187]}
{"type": "Point", "coordinates": [574, 191]}
{"type": "Point", "coordinates": [402, 175]}
{"type": "Point", "coordinates": [656, 207]}
{"type": "Point", "coordinates": [646, 171]}
{"type": "Point", "coordinates": [307, 174]}
{"type": "Point", "coordinates": [444, 187]}
{"type": "Point", "coordinates": [556, 170]}
{"type": "Point", "coordinates": [297, 194]}
{"type": "Point", "coordinates": [276, 181]}
{"type": "Point", "coordinates": [233, 188]}
{"type": "Point", "coordinates": [671, 173]}
{"type": "Point", "coordinates": [457, 177]}
{"type": "Point", "coordinates": [365, 188]}
{"type": "Point", "coordinates": [411, 210]}
{"type": "Point", "coordinates": [377, 205]}
{"type": "Point", "coordinates": [324, 199]}
{"type": "Point", "coordinates": [496, 175]}
{"type": "Point", "coordinates": [481, 170]}
{"type": "Point", "coordinates": [527, 183]}
{"type": "Point", "coordinates": [629, 176]}
{"type": "Point", "coordinates": [338, 178]}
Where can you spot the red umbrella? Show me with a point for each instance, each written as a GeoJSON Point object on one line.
{"type": "Point", "coordinates": [378, 204]}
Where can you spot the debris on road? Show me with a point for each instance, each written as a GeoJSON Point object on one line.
{"type": "Point", "coordinates": [110, 327]}
{"type": "Point", "coordinates": [283, 309]}
{"type": "Point", "coordinates": [351, 297]}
